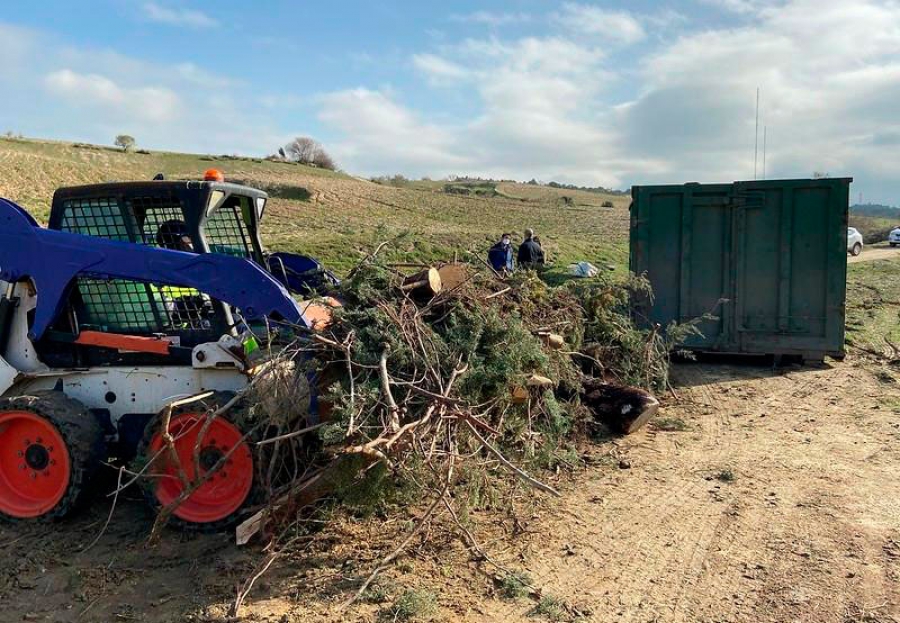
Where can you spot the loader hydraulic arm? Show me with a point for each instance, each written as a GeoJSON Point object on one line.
{"type": "Point", "coordinates": [53, 260]}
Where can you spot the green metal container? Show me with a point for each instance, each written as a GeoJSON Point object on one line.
{"type": "Point", "coordinates": [766, 259]}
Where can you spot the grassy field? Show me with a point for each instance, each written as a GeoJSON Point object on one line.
{"type": "Point", "coordinates": [337, 217]}
{"type": "Point", "coordinates": [873, 304]}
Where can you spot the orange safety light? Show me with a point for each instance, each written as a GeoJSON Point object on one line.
{"type": "Point", "coordinates": [213, 175]}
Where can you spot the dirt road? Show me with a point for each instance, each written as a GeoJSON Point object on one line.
{"type": "Point", "coordinates": [870, 254]}
{"type": "Point", "coordinates": [773, 506]}
{"type": "Point", "coordinates": [777, 503]}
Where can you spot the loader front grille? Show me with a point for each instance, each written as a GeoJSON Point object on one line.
{"type": "Point", "coordinates": [226, 232]}
{"type": "Point", "coordinates": [123, 306]}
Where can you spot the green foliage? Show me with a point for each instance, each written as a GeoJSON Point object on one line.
{"type": "Point", "coordinates": [476, 188]}
{"type": "Point", "coordinates": [411, 605]}
{"type": "Point", "coordinates": [515, 585]}
{"type": "Point", "coordinates": [377, 593]}
{"type": "Point", "coordinates": [726, 475]}
{"type": "Point", "coordinates": [551, 608]}
{"type": "Point", "coordinates": [631, 355]}
{"type": "Point", "coordinates": [876, 210]}
{"type": "Point", "coordinates": [500, 343]}
{"type": "Point", "coordinates": [873, 321]}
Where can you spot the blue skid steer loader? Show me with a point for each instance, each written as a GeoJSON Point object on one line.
{"type": "Point", "coordinates": [136, 295]}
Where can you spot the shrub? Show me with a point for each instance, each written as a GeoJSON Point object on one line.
{"type": "Point", "coordinates": [412, 606]}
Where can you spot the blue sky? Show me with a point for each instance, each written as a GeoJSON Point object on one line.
{"type": "Point", "coordinates": [609, 93]}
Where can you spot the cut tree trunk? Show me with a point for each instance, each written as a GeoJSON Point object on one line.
{"type": "Point", "coordinates": [333, 477]}
{"type": "Point", "coordinates": [622, 409]}
{"type": "Point", "coordinates": [453, 275]}
{"type": "Point", "coordinates": [554, 340]}
{"type": "Point", "coordinates": [519, 395]}
{"type": "Point", "coordinates": [426, 283]}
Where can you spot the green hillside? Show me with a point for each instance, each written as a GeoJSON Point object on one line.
{"type": "Point", "coordinates": [337, 217]}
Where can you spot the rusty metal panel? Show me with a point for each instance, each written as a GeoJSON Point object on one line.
{"type": "Point", "coordinates": [765, 261]}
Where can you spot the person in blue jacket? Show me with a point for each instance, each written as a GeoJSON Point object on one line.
{"type": "Point", "coordinates": [501, 255]}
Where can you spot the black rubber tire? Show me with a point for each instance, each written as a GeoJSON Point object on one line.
{"type": "Point", "coordinates": [217, 400]}
{"type": "Point", "coordinates": [856, 250]}
{"type": "Point", "coordinates": [84, 440]}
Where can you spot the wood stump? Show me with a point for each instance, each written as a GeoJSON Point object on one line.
{"type": "Point", "coordinates": [424, 284]}
{"type": "Point", "coordinates": [623, 409]}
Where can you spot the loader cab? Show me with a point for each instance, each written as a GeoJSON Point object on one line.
{"type": "Point", "coordinates": [218, 217]}
{"type": "Point", "coordinates": [196, 216]}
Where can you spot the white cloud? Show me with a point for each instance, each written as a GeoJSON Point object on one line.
{"type": "Point", "coordinates": [79, 93]}
{"type": "Point", "coordinates": [177, 16]}
{"type": "Point", "coordinates": [383, 136]}
{"type": "Point", "coordinates": [617, 26]}
{"type": "Point", "coordinates": [829, 83]}
{"type": "Point", "coordinates": [189, 72]}
{"type": "Point", "coordinates": [560, 106]}
{"type": "Point", "coordinates": [535, 94]}
{"type": "Point", "coordinates": [492, 19]}
{"type": "Point", "coordinates": [735, 6]}
{"type": "Point", "coordinates": [438, 69]}
{"type": "Point", "coordinates": [92, 90]}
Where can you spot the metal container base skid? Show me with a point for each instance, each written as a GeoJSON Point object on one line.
{"type": "Point", "coordinates": [760, 266]}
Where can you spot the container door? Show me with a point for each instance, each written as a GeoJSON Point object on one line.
{"type": "Point", "coordinates": [791, 254]}
{"type": "Point", "coordinates": [683, 240]}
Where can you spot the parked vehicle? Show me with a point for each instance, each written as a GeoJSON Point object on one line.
{"type": "Point", "coordinates": [854, 241]}
{"type": "Point", "coordinates": [137, 292]}
{"type": "Point", "coordinates": [894, 237]}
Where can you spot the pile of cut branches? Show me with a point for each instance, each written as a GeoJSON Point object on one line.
{"type": "Point", "coordinates": [447, 379]}
{"type": "Point", "coordinates": [444, 378]}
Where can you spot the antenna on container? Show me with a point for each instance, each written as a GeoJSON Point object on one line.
{"type": "Point", "coordinates": [756, 135]}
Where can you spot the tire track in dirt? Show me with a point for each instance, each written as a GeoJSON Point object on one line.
{"type": "Point", "coordinates": [666, 542]}
{"type": "Point", "coordinates": [639, 525]}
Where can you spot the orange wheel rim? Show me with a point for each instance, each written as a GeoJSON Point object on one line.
{"type": "Point", "coordinates": [35, 466]}
{"type": "Point", "coordinates": [222, 444]}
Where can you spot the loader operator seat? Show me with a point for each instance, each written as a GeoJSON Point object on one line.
{"type": "Point", "coordinates": [187, 307]}
{"type": "Point", "coordinates": [173, 234]}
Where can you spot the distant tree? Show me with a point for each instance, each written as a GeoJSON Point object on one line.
{"type": "Point", "coordinates": [306, 150]}
{"type": "Point", "coordinates": [281, 153]}
{"type": "Point", "coordinates": [125, 142]}
{"type": "Point", "coordinates": [323, 160]}
{"type": "Point", "coordinates": [302, 149]}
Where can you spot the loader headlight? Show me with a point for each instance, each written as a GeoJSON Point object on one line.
{"type": "Point", "coordinates": [215, 198]}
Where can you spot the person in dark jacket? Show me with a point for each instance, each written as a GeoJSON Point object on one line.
{"type": "Point", "coordinates": [530, 253]}
{"type": "Point", "coordinates": [501, 255]}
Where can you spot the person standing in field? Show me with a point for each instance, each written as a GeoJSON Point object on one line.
{"type": "Point", "coordinates": [537, 241]}
{"type": "Point", "coordinates": [501, 255]}
{"type": "Point", "coordinates": [530, 253]}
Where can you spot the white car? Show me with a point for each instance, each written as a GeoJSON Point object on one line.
{"type": "Point", "coordinates": [854, 241]}
{"type": "Point", "coordinates": [894, 237]}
